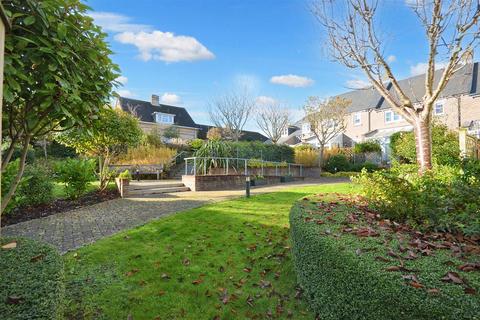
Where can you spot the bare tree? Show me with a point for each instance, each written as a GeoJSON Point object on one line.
{"type": "Point", "coordinates": [452, 31]}
{"type": "Point", "coordinates": [273, 119]}
{"type": "Point", "coordinates": [231, 112]}
{"type": "Point", "coordinates": [326, 119]}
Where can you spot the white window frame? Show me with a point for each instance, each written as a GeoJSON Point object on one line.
{"type": "Point", "coordinates": [394, 117]}
{"type": "Point", "coordinates": [438, 103]}
{"type": "Point", "coordinates": [357, 116]}
{"type": "Point", "coordinates": [161, 117]}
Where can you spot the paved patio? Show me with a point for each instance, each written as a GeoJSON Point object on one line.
{"type": "Point", "coordinates": [76, 228]}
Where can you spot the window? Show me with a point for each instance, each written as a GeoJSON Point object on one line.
{"type": "Point", "coordinates": [357, 119]}
{"type": "Point", "coordinates": [391, 116]}
{"type": "Point", "coordinates": [438, 109]}
{"type": "Point", "coordinates": [285, 132]}
{"type": "Point", "coordinates": [164, 118]}
{"type": "Point", "coordinates": [306, 128]}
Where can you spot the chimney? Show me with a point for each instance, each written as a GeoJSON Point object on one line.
{"type": "Point", "coordinates": [155, 100]}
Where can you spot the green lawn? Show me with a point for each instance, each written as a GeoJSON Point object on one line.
{"type": "Point", "coordinates": [229, 260]}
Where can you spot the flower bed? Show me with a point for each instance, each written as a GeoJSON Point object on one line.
{"type": "Point", "coordinates": [31, 285]}
{"type": "Point", "coordinates": [353, 264]}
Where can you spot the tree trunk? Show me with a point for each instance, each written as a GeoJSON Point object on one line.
{"type": "Point", "coordinates": [18, 177]}
{"type": "Point", "coordinates": [423, 145]}
{"type": "Point", "coordinates": [320, 157]}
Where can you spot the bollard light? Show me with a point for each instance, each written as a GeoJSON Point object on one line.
{"type": "Point", "coordinates": [247, 186]}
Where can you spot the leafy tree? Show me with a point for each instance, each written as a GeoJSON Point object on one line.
{"type": "Point", "coordinates": [58, 73]}
{"type": "Point", "coordinates": [111, 134]}
{"type": "Point", "coordinates": [445, 147]}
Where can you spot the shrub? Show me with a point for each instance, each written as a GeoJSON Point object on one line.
{"type": "Point", "coordinates": [8, 176]}
{"type": "Point", "coordinates": [344, 276]}
{"type": "Point", "coordinates": [38, 186]}
{"type": "Point", "coordinates": [369, 166]}
{"type": "Point", "coordinates": [259, 150]}
{"type": "Point", "coordinates": [196, 144]}
{"type": "Point", "coordinates": [444, 199]}
{"type": "Point", "coordinates": [152, 138]}
{"type": "Point", "coordinates": [306, 156]}
{"type": "Point", "coordinates": [445, 147]}
{"type": "Point", "coordinates": [146, 155]}
{"type": "Point", "coordinates": [125, 175]}
{"type": "Point", "coordinates": [367, 146]}
{"type": "Point", "coordinates": [215, 133]}
{"type": "Point", "coordinates": [32, 274]}
{"type": "Point", "coordinates": [76, 174]}
{"type": "Point", "coordinates": [341, 174]}
{"type": "Point", "coordinates": [337, 163]}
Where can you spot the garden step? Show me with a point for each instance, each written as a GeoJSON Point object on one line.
{"type": "Point", "coordinates": [151, 185]}
{"type": "Point", "coordinates": [143, 192]}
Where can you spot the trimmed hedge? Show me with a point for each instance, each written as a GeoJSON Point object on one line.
{"type": "Point", "coordinates": [343, 278]}
{"type": "Point", "coordinates": [31, 281]}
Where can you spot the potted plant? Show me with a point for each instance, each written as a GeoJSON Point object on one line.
{"type": "Point", "coordinates": [124, 178]}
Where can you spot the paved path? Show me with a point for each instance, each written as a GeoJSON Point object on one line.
{"type": "Point", "coordinates": [73, 229]}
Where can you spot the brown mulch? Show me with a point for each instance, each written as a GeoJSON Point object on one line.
{"type": "Point", "coordinates": [57, 206]}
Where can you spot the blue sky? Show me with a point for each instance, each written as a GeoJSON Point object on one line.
{"type": "Point", "coordinates": [189, 51]}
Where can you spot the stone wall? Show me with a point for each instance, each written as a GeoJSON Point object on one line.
{"type": "Point", "coordinates": [221, 182]}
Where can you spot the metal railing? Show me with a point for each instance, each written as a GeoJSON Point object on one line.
{"type": "Point", "coordinates": [240, 166]}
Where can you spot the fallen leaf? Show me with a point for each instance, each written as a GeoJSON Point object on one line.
{"type": "Point", "coordinates": [165, 276]}
{"type": "Point", "coordinates": [452, 277]}
{"type": "Point", "coordinates": [161, 293]}
{"type": "Point", "coordinates": [37, 258]}
{"type": "Point", "coordinates": [186, 262]}
{"type": "Point", "coordinates": [248, 270]}
{"type": "Point", "coordinates": [131, 272]}
{"type": "Point", "coordinates": [14, 300]}
{"type": "Point", "coordinates": [198, 281]}
{"type": "Point", "coordinates": [10, 245]}
{"type": "Point", "coordinates": [250, 301]}
{"type": "Point", "coordinates": [416, 285]}
{"type": "Point", "coordinates": [469, 290]}
{"type": "Point", "coordinates": [433, 291]}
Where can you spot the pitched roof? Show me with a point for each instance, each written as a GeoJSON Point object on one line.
{"type": "Point", "coordinates": [145, 110]}
{"type": "Point", "coordinates": [246, 135]}
{"type": "Point", "coordinates": [464, 81]}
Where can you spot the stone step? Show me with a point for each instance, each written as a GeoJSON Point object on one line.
{"type": "Point", "coordinates": [150, 191]}
{"type": "Point", "coordinates": [153, 185]}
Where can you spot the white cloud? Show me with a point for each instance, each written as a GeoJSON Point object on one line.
{"type": "Point", "coordinates": [292, 80]}
{"type": "Point", "coordinates": [170, 98]}
{"type": "Point", "coordinates": [357, 84]}
{"type": "Point", "coordinates": [165, 46]}
{"type": "Point", "coordinates": [125, 93]}
{"type": "Point", "coordinates": [114, 22]}
{"type": "Point", "coordinates": [391, 58]}
{"type": "Point", "coordinates": [265, 100]}
{"type": "Point", "coordinates": [123, 80]}
{"type": "Point", "coordinates": [421, 68]}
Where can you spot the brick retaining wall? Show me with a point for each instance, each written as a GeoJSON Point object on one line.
{"type": "Point", "coordinates": [222, 182]}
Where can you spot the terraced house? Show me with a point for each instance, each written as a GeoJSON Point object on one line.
{"type": "Point", "coordinates": [371, 117]}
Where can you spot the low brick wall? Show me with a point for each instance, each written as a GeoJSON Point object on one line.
{"type": "Point", "coordinates": [222, 182]}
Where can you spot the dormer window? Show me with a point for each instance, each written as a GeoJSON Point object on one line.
{"type": "Point", "coordinates": [164, 118]}
{"type": "Point", "coordinates": [285, 132]}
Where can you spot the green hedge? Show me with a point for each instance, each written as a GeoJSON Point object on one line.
{"type": "Point", "coordinates": [260, 150]}
{"type": "Point", "coordinates": [33, 272]}
{"type": "Point", "coordinates": [343, 279]}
